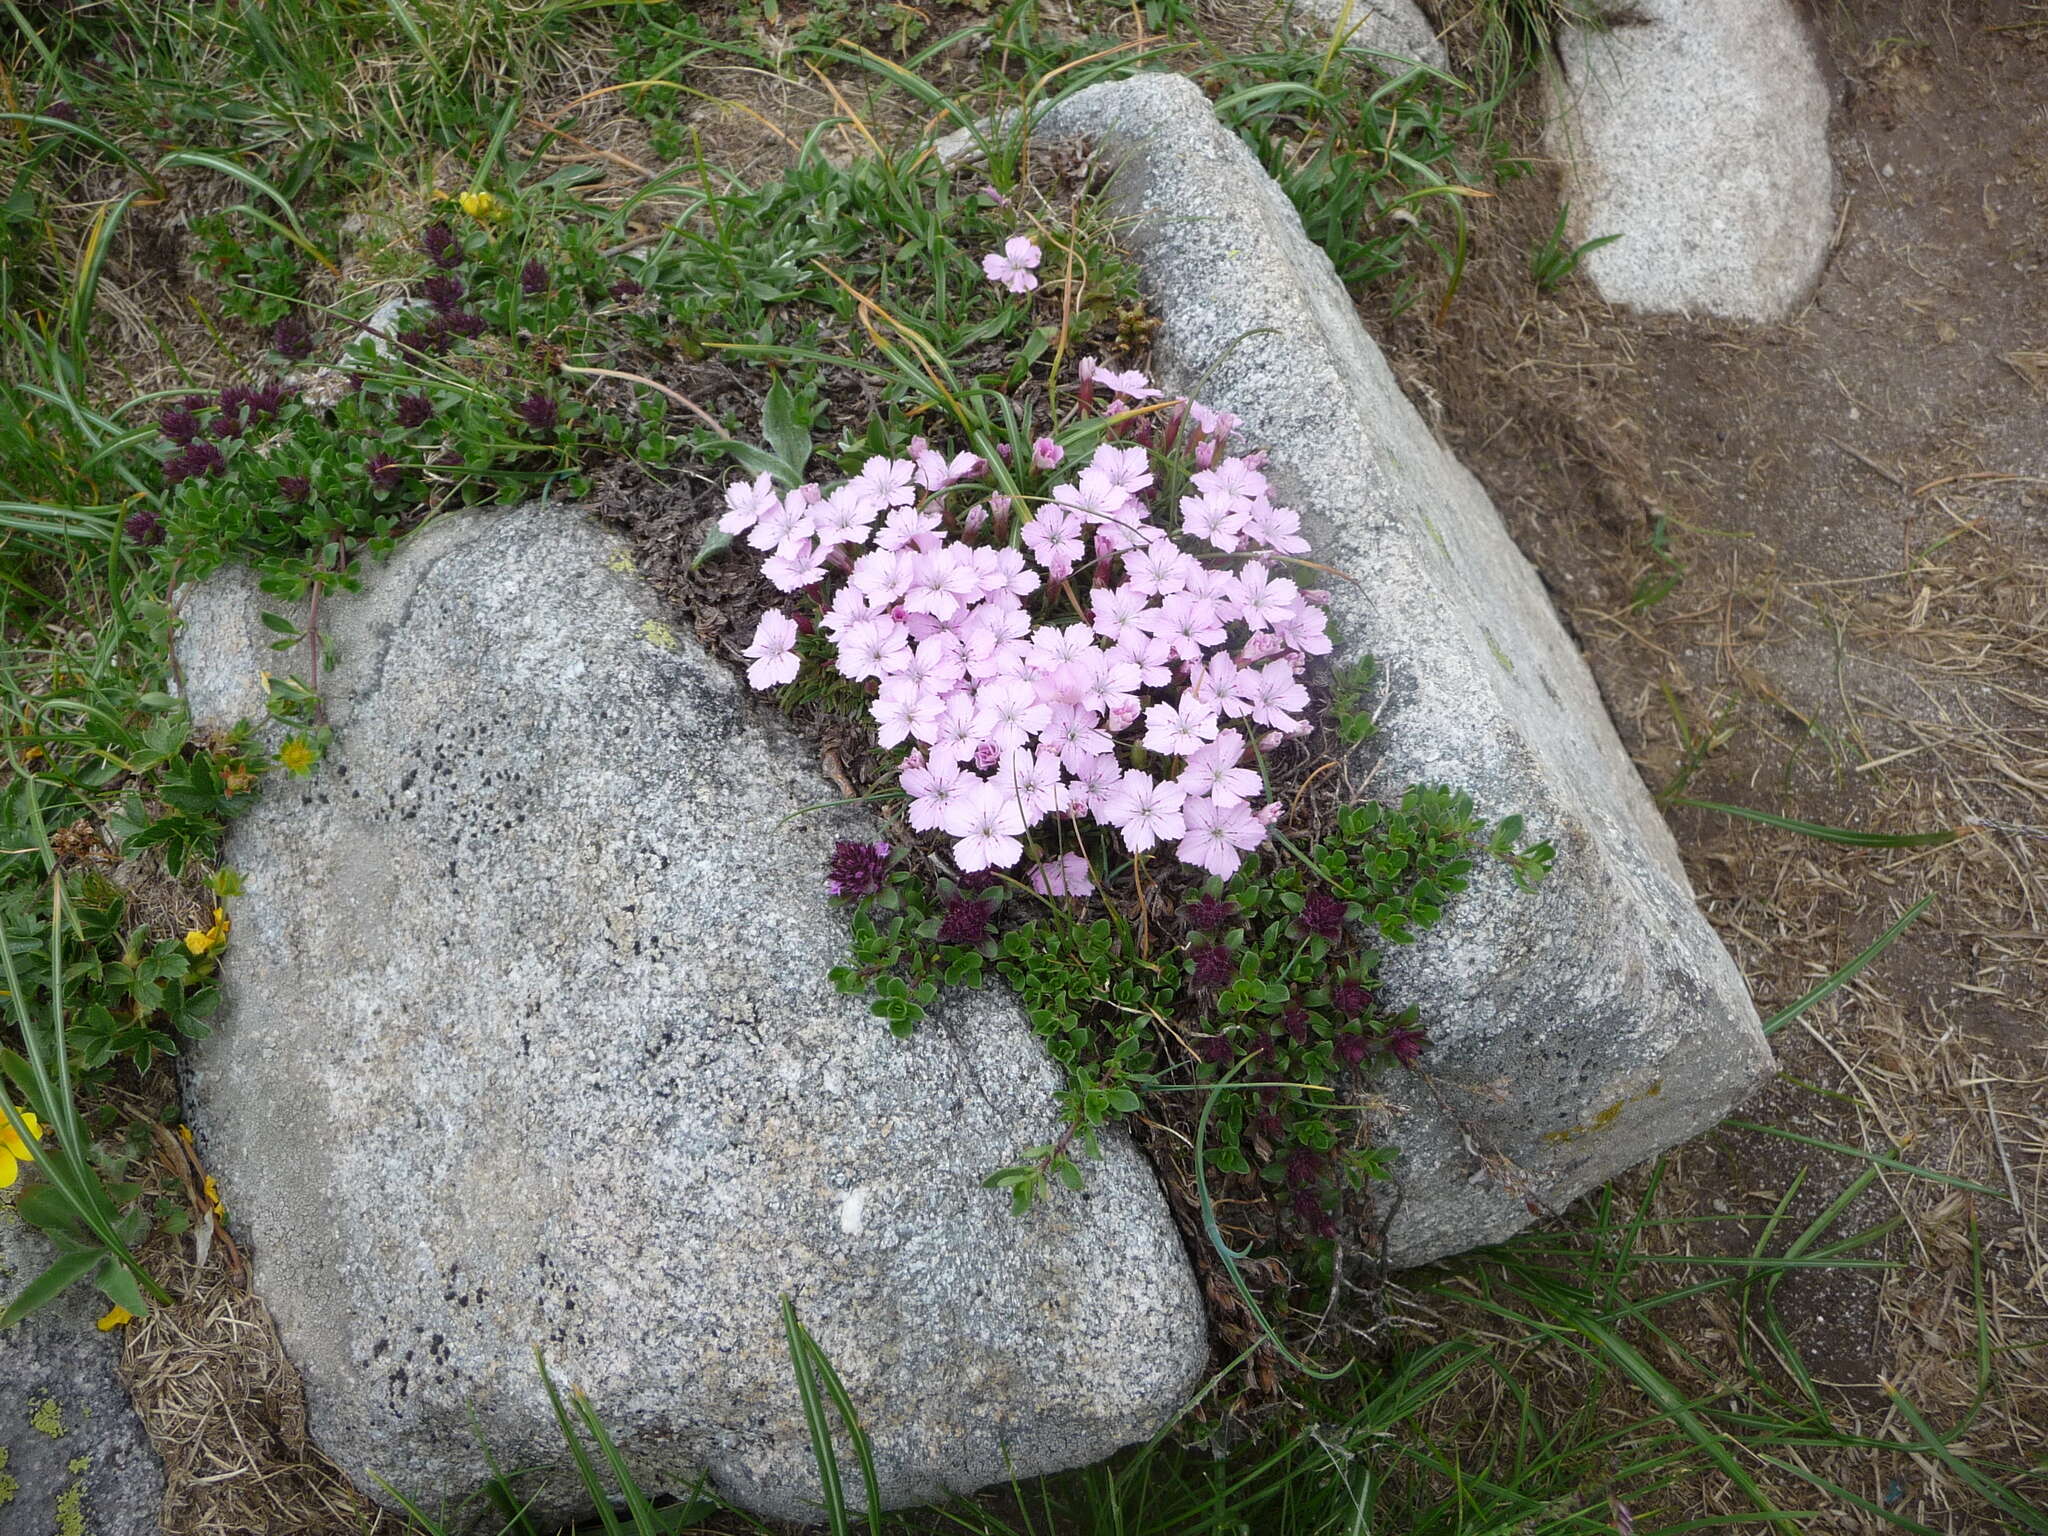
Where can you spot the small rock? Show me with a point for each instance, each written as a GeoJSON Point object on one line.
{"type": "Point", "coordinates": [1698, 133]}
{"type": "Point", "coordinates": [70, 1444]}
{"type": "Point", "coordinates": [528, 1041]}
{"type": "Point", "coordinates": [1574, 1031]}
{"type": "Point", "coordinates": [1396, 29]}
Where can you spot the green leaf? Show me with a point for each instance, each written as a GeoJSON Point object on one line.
{"type": "Point", "coordinates": [50, 1284]}
{"type": "Point", "coordinates": [1843, 835]}
{"type": "Point", "coordinates": [716, 542]}
{"type": "Point", "coordinates": [784, 432]}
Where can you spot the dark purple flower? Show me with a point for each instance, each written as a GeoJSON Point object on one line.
{"type": "Point", "coordinates": [1352, 1049]}
{"type": "Point", "coordinates": [197, 459]}
{"type": "Point", "coordinates": [177, 424]}
{"type": "Point", "coordinates": [61, 110]}
{"type": "Point", "coordinates": [290, 339]}
{"type": "Point", "coordinates": [858, 869]}
{"type": "Point", "coordinates": [413, 410]}
{"type": "Point", "coordinates": [1269, 1125]}
{"type": "Point", "coordinates": [143, 527]}
{"type": "Point", "coordinates": [966, 922]}
{"type": "Point", "coordinates": [1406, 1044]}
{"type": "Point", "coordinates": [981, 879]}
{"type": "Point", "coordinates": [442, 291]}
{"type": "Point", "coordinates": [1205, 914]}
{"type": "Point", "coordinates": [440, 244]}
{"type": "Point", "coordinates": [1350, 999]}
{"type": "Point", "coordinates": [539, 412]}
{"type": "Point", "coordinates": [267, 399]}
{"type": "Point", "coordinates": [1309, 1207]}
{"type": "Point", "coordinates": [383, 470]}
{"type": "Point", "coordinates": [461, 322]}
{"type": "Point", "coordinates": [1304, 1169]}
{"type": "Point", "coordinates": [294, 488]}
{"type": "Point", "coordinates": [625, 288]}
{"type": "Point", "coordinates": [1321, 915]}
{"type": "Point", "coordinates": [1296, 1022]}
{"type": "Point", "coordinates": [195, 402]}
{"type": "Point", "coordinates": [449, 459]}
{"type": "Point", "coordinates": [1214, 1049]}
{"type": "Point", "coordinates": [533, 278]}
{"type": "Point", "coordinates": [1215, 967]}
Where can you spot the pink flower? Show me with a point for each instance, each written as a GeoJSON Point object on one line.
{"type": "Point", "coordinates": [1180, 729]}
{"type": "Point", "coordinates": [794, 566]}
{"type": "Point", "coordinates": [1011, 266]}
{"type": "Point", "coordinates": [1213, 772]}
{"type": "Point", "coordinates": [1212, 518]}
{"type": "Point", "coordinates": [871, 648]}
{"type": "Point", "coordinates": [904, 710]}
{"type": "Point", "coordinates": [1218, 836]}
{"type": "Point", "coordinates": [1046, 454]}
{"type": "Point", "coordinates": [746, 503]}
{"type": "Point", "coordinates": [1054, 538]}
{"type": "Point", "coordinates": [1116, 610]}
{"type": "Point", "coordinates": [887, 480]}
{"type": "Point", "coordinates": [913, 526]}
{"type": "Point", "coordinates": [1272, 691]}
{"type": "Point", "coordinates": [1034, 778]}
{"type": "Point", "coordinates": [1127, 469]}
{"type": "Point", "coordinates": [935, 789]}
{"type": "Point", "coordinates": [986, 823]}
{"type": "Point", "coordinates": [1263, 599]}
{"type": "Point", "coordinates": [1008, 713]}
{"type": "Point", "coordinates": [1065, 876]}
{"type": "Point", "coordinates": [773, 649]}
{"type": "Point", "coordinates": [1156, 569]}
{"type": "Point", "coordinates": [1143, 811]}
{"type": "Point", "coordinates": [846, 516]}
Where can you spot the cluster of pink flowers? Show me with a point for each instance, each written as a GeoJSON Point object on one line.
{"type": "Point", "coordinates": [1024, 696]}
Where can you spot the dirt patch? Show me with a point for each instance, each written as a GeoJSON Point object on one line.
{"type": "Point", "coordinates": [1809, 566]}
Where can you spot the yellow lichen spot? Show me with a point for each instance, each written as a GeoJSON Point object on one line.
{"type": "Point", "coordinates": [204, 941]}
{"type": "Point", "coordinates": [47, 1418]}
{"type": "Point", "coordinates": [78, 1466]}
{"type": "Point", "coordinates": [1606, 1117]}
{"type": "Point", "coordinates": [658, 635]}
{"type": "Point", "coordinates": [114, 1317]}
{"type": "Point", "coordinates": [484, 207]}
{"type": "Point", "coordinates": [13, 1150]}
{"type": "Point", "coordinates": [71, 1511]}
{"type": "Point", "coordinates": [622, 562]}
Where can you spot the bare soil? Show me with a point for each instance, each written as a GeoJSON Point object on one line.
{"type": "Point", "coordinates": [1808, 564]}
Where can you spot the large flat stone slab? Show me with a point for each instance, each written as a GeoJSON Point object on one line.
{"type": "Point", "coordinates": [1697, 130]}
{"type": "Point", "coordinates": [71, 1447]}
{"type": "Point", "coordinates": [527, 1040]}
{"type": "Point", "coordinates": [1575, 1031]}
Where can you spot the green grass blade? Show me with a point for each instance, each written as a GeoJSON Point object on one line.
{"type": "Point", "coordinates": [814, 1421]}
{"type": "Point", "coordinates": [1852, 970]}
{"type": "Point", "coordinates": [1843, 835]}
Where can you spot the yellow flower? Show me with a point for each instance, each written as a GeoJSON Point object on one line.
{"type": "Point", "coordinates": [203, 941]}
{"type": "Point", "coordinates": [483, 206]}
{"type": "Point", "coordinates": [297, 755]}
{"type": "Point", "coordinates": [213, 1196]}
{"type": "Point", "coordinates": [13, 1150]}
{"type": "Point", "coordinates": [115, 1316]}
{"type": "Point", "coordinates": [185, 1134]}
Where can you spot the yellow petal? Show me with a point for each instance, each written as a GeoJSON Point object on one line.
{"type": "Point", "coordinates": [10, 1169]}
{"type": "Point", "coordinates": [199, 941]}
{"type": "Point", "coordinates": [116, 1315]}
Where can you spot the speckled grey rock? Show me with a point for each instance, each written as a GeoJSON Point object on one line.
{"type": "Point", "coordinates": [69, 1441]}
{"type": "Point", "coordinates": [1697, 131]}
{"type": "Point", "coordinates": [527, 1041]}
{"type": "Point", "coordinates": [1578, 1030]}
{"type": "Point", "coordinates": [1396, 29]}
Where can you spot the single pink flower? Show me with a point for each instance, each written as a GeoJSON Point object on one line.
{"type": "Point", "coordinates": [1218, 836]}
{"type": "Point", "coordinates": [1011, 266]}
{"type": "Point", "coordinates": [773, 650]}
{"type": "Point", "coordinates": [1066, 875]}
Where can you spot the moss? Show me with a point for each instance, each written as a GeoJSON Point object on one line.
{"type": "Point", "coordinates": [47, 1418]}
{"type": "Point", "coordinates": [658, 635]}
{"type": "Point", "coordinates": [9, 1485]}
{"type": "Point", "coordinates": [79, 1466]}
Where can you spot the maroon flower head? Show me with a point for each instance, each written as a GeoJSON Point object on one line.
{"type": "Point", "coordinates": [1352, 1049]}
{"type": "Point", "coordinates": [290, 339]}
{"type": "Point", "coordinates": [1206, 914]}
{"type": "Point", "coordinates": [1350, 999]}
{"type": "Point", "coordinates": [533, 278]}
{"type": "Point", "coordinates": [1215, 967]}
{"type": "Point", "coordinates": [625, 288]}
{"type": "Point", "coordinates": [267, 399]}
{"type": "Point", "coordinates": [966, 922]}
{"type": "Point", "coordinates": [539, 412]}
{"type": "Point", "coordinates": [61, 110]}
{"type": "Point", "coordinates": [1214, 1049]}
{"type": "Point", "coordinates": [1321, 915]}
{"type": "Point", "coordinates": [177, 424]}
{"type": "Point", "coordinates": [143, 527]}
{"type": "Point", "coordinates": [1269, 1125]}
{"type": "Point", "coordinates": [383, 470]}
{"type": "Point", "coordinates": [422, 341]}
{"type": "Point", "coordinates": [1406, 1044]}
{"type": "Point", "coordinates": [462, 322]}
{"type": "Point", "coordinates": [981, 879]}
{"type": "Point", "coordinates": [442, 291]}
{"type": "Point", "coordinates": [413, 410]}
{"type": "Point", "coordinates": [294, 488]}
{"type": "Point", "coordinates": [1304, 1169]}
{"type": "Point", "coordinates": [858, 869]}
{"type": "Point", "coordinates": [441, 246]}
{"type": "Point", "coordinates": [1296, 1022]}
{"type": "Point", "coordinates": [197, 459]}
